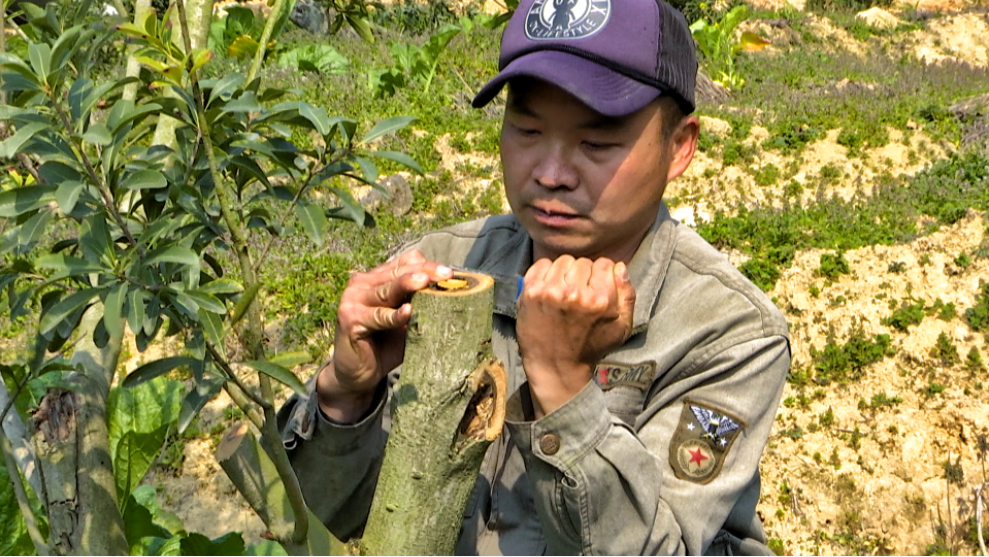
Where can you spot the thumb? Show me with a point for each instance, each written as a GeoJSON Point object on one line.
{"type": "Point", "coordinates": [626, 296]}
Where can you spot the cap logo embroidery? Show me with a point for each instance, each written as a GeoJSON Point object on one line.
{"type": "Point", "coordinates": [701, 442]}
{"type": "Point", "coordinates": [566, 19]}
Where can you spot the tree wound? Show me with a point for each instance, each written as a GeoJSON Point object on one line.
{"type": "Point", "coordinates": [485, 414]}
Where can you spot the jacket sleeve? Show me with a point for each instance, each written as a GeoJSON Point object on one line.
{"type": "Point", "coordinates": [337, 465]}
{"type": "Point", "coordinates": [605, 487]}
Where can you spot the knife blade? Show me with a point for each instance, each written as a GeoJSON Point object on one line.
{"type": "Point", "coordinates": [507, 289]}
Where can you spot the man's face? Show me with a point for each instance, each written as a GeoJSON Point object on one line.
{"type": "Point", "coordinates": [582, 183]}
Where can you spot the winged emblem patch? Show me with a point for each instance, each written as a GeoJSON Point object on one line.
{"type": "Point", "coordinates": [700, 445]}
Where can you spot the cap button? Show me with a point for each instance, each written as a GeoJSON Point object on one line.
{"type": "Point", "coordinates": [550, 444]}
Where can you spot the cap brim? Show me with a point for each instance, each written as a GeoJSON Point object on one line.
{"type": "Point", "coordinates": [602, 89]}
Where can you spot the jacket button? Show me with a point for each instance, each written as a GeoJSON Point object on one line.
{"type": "Point", "coordinates": [550, 444]}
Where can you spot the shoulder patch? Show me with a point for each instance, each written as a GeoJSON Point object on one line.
{"type": "Point", "coordinates": [639, 376]}
{"type": "Point", "coordinates": [701, 442]}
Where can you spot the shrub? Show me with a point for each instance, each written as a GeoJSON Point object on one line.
{"type": "Point", "coordinates": [945, 350]}
{"type": "Point", "coordinates": [978, 315]}
{"type": "Point", "coordinates": [761, 272]}
{"type": "Point", "coordinates": [906, 315]}
{"type": "Point", "coordinates": [833, 265]}
{"type": "Point", "coordinates": [844, 362]}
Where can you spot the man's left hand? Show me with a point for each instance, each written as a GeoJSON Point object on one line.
{"type": "Point", "coordinates": [571, 313]}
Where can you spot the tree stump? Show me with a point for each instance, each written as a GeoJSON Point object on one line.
{"type": "Point", "coordinates": [446, 409]}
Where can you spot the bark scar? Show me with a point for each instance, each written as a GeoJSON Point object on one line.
{"type": "Point", "coordinates": [485, 414]}
{"type": "Point", "coordinates": [56, 416]}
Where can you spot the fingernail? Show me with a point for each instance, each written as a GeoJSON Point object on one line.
{"type": "Point", "coordinates": [420, 277]}
{"type": "Point", "coordinates": [622, 270]}
{"type": "Point", "coordinates": [444, 270]}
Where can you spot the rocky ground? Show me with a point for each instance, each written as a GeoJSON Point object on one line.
{"type": "Point", "coordinates": [854, 466]}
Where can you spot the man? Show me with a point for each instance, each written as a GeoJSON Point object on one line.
{"type": "Point", "coordinates": [646, 370]}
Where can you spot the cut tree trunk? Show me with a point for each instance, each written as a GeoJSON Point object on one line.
{"type": "Point", "coordinates": [252, 472]}
{"type": "Point", "coordinates": [446, 409]}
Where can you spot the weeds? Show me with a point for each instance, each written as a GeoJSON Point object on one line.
{"type": "Point", "coordinates": [906, 315]}
{"type": "Point", "coordinates": [887, 217]}
{"type": "Point", "coordinates": [844, 362]}
{"type": "Point", "coordinates": [943, 311]}
{"type": "Point", "coordinates": [945, 351]}
{"type": "Point", "coordinates": [978, 315]}
{"type": "Point", "coordinates": [833, 265]}
{"type": "Point", "coordinates": [881, 400]}
{"type": "Point", "coordinates": [973, 361]}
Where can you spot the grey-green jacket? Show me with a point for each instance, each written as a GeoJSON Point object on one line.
{"type": "Point", "coordinates": [659, 455]}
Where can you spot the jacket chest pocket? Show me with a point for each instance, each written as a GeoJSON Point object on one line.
{"type": "Point", "coordinates": [625, 403]}
{"type": "Point", "coordinates": [625, 387]}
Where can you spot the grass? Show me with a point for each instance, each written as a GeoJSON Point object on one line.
{"type": "Point", "coordinates": [804, 92]}
{"type": "Point", "coordinates": [773, 234]}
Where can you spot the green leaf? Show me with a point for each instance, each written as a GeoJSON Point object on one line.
{"type": "Point", "coordinates": [135, 452]}
{"type": "Point", "coordinates": [221, 286]}
{"type": "Point", "coordinates": [227, 544]}
{"type": "Point", "coordinates": [368, 169]}
{"type": "Point", "coordinates": [12, 145]}
{"type": "Point", "coordinates": [97, 134]}
{"type": "Point", "coordinates": [113, 307]}
{"type": "Point", "coordinates": [351, 206]}
{"type": "Point", "coordinates": [67, 195]}
{"type": "Point", "coordinates": [139, 524]}
{"type": "Point", "coordinates": [243, 303]}
{"type": "Point", "coordinates": [147, 497]}
{"type": "Point", "coordinates": [243, 47]}
{"type": "Point", "coordinates": [291, 359]}
{"type": "Point", "coordinates": [207, 301]}
{"type": "Point", "coordinates": [137, 300]}
{"type": "Point", "coordinates": [201, 393]}
{"type": "Point", "coordinates": [60, 311]}
{"type": "Point", "coordinates": [225, 86]}
{"type": "Point", "coordinates": [145, 180]}
{"type": "Point", "coordinates": [362, 27]}
{"type": "Point", "coordinates": [156, 368]}
{"type": "Point", "coordinates": [213, 328]}
{"type": "Point", "coordinates": [139, 419]}
{"type": "Point", "coordinates": [18, 201]}
{"type": "Point", "coordinates": [400, 158]}
{"type": "Point", "coordinates": [313, 221]}
{"type": "Point", "coordinates": [246, 102]}
{"type": "Point", "coordinates": [14, 539]}
{"type": "Point", "coordinates": [173, 254]}
{"type": "Point", "coordinates": [30, 232]}
{"type": "Point", "coordinates": [40, 55]}
{"type": "Point", "coordinates": [385, 127]}
{"type": "Point", "coordinates": [278, 373]}
{"type": "Point", "coordinates": [60, 262]}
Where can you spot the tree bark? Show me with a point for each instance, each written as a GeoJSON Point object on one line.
{"type": "Point", "coordinates": [446, 409]}
{"type": "Point", "coordinates": [141, 7]}
{"type": "Point", "coordinates": [255, 476]}
{"type": "Point", "coordinates": [199, 14]}
{"type": "Point", "coordinates": [72, 445]}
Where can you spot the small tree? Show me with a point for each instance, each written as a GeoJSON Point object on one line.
{"type": "Point", "coordinates": [117, 231]}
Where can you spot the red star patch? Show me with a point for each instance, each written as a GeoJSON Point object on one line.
{"type": "Point", "coordinates": [697, 457]}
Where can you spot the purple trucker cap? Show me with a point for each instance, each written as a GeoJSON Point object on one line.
{"type": "Point", "coordinates": [616, 56]}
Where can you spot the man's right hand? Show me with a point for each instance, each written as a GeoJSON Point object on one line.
{"type": "Point", "coordinates": [372, 319]}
